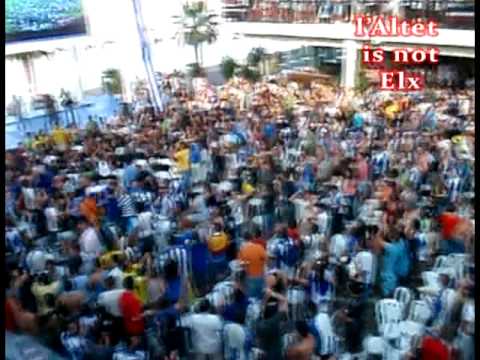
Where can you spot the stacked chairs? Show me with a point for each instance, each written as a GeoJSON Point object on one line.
{"type": "Point", "coordinates": [388, 314]}
{"type": "Point", "coordinates": [404, 297]}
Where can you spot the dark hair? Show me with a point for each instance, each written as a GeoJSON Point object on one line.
{"type": "Point", "coordinates": [170, 269]}
{"type": "Point", "coordinates": [204, 306]}
{"type": "Point", "coordinates": [110, 281]}
{"type": "Point", "coordinates": [81, 220]}
{"type": "Point", "coordinates": [68, 285]}
{"type": "Point", "coordinates": [270, 310]}
{"type": "Point", "coordinates": [129, 283]}
{"type": "Point", "coordinates": [49, 300]}
{"type": "Point", "coordinates": [302, 328]}
{"type": "Point", "coordinates": [416, 224]}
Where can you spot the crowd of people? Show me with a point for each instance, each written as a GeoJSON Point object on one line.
{"type": "Point", "coordinates": [265, 221]}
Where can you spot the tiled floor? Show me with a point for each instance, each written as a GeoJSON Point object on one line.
{"type": "Point", "coordinates": [103, 105]}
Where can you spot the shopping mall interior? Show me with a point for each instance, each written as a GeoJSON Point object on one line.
{"type": "Point", "coordinates": [226, 179]}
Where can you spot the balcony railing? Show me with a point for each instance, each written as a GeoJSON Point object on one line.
{"type": "Point", "coordinates": [455, 14]}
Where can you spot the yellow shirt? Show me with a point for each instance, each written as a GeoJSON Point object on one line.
{"type": "Point", "coordinates": [106, 260]}
{"type": "Point", "coordinates": [40, 291]}
{"type": "Point", "coordinates": [182, 158]}
{"type": "Point", "coordinates": [391, 110]}
{"type": "Point", "coordinates": [60, 136]}
{"type": "Point", "coordinates": [41, 140]}
{"type": "Point", "coordinates": [247, 188]}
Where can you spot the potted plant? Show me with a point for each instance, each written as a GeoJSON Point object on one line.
{"type": "Point", "coordinates": [112, 82]}
{"type": "Point", "coordinates": [228, 66]}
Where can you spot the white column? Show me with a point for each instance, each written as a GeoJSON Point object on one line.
{"type": "Point", "coordinates": [79, 90]}
{"type": "Point", "coordinates": [349, 63]}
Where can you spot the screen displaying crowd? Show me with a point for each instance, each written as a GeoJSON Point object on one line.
{"type": "Point", "coordinates": [253, 221]}
{"type": "Point", "coordinates": [39, 19]}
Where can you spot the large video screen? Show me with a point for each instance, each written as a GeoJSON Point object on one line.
{"type": "Point", "coordinates": [38, 19]}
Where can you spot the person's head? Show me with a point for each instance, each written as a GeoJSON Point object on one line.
{"type": "Point", "coordinates": [72, 326]}
{"type": "Point", "coordinates": [217, 227]}
{"type": "Point", "coordinates": [204, 306]}
{"type": "Point", "coordinates": [129, 283]}
{"type": "Point", "coordinates": [292, 223]}
{"type": "Point", "coordinates": [302, 328]}
{"type": "Point", "coordinates": [110, 282]}
{"type": "Point", "coordinates": [67, 285]}
{"type": "Point", "coordinates": [82, 223]}
{"type": "Point", "coordinates": [444, 279]}
{"type": "Point", "coordinates": [171, 269]}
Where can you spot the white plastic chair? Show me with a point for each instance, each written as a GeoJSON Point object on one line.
{"type": "Point", "coordinates": [403, 295]}
{"type": "Point", "coordinates": [373, 345]}
{"type": "Point", "coordinates": [431, 279]}
{"type": "Point", "coordinates": [420, 311]}
{"type": "Point", "coordinates": [388, 313]}
{"type": "Point", "coordinates": [440, 262]}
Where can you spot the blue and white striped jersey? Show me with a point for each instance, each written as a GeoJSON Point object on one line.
{"type": "Point", "coordinates": [380, 163]}
{"type": "Point", "coordinates": [178, 253]}
{"type": "Point", "coordinates": [13, 241]}
{"type": "Point", "coordinates": [453, 188]}
{"type": "Point", "coordinates": [75, 345]}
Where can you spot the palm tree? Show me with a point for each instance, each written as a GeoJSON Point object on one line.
{"type": "Point", "coordinates": [27, 58]}
{"type": "Point", "coordinates": [255, 56]}
{"type": "Point", "coordinates": [196, 27]}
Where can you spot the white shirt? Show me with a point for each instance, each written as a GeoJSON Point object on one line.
{"type": "Point", "coordinates": [144, 224]}
{"type": "Point", "coordinates": [52, 219]}
{"type": "Point", "coordinates": [323, 221]}
{"type": "Point", "coordinates": [235, 338]}
{"type": "Point", "coordinates": [118, 275]}
{"type": "Point", "coordinates": [468, 316]}
{"type": "Point", "coordinates": [29, 198]}
{"type": "Point", "coordinates": [110, 300]}
{"type": "Point", "coordinates": [237, 211]}
{"type": "Point", "coordinates": [206, 332]}
{"type": "Point", "coordinates": [338, 246]}
{"type": "Point", "coordinates": [364, 264]}
{"type": "Point", "coordinates": [89, 242]}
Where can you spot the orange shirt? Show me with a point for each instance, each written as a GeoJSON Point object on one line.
{"type": "Point", "coordinates": [88, 208]}
{"type": "Point", "coordinates": [255, 256]}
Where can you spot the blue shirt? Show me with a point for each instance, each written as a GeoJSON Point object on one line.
{"type": "Point", "coordinates": [269, 131]}
{"type": "Point", "coordinates": [357, 120]}
{"type": "Point", "coordinates": [130, 174]}
{"type": "Point", "coordinates": [403, 258]}
{"type": "Point", "coordinates": [389, 275]}
{"type": "Point", "coordinates": [172, 292]}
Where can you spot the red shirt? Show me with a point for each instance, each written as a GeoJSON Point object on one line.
{"type": "Point", "coordinates": [131, 308]}
{"type": "Point", "coordinates": [294, 234]}
{"type": "Point", "coordinates": [449, 222]}
{"type": "Point", "coordinates": [434, 349]}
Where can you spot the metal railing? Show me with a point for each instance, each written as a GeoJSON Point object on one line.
{"type": "Point", "coordinates": [458, 14]}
